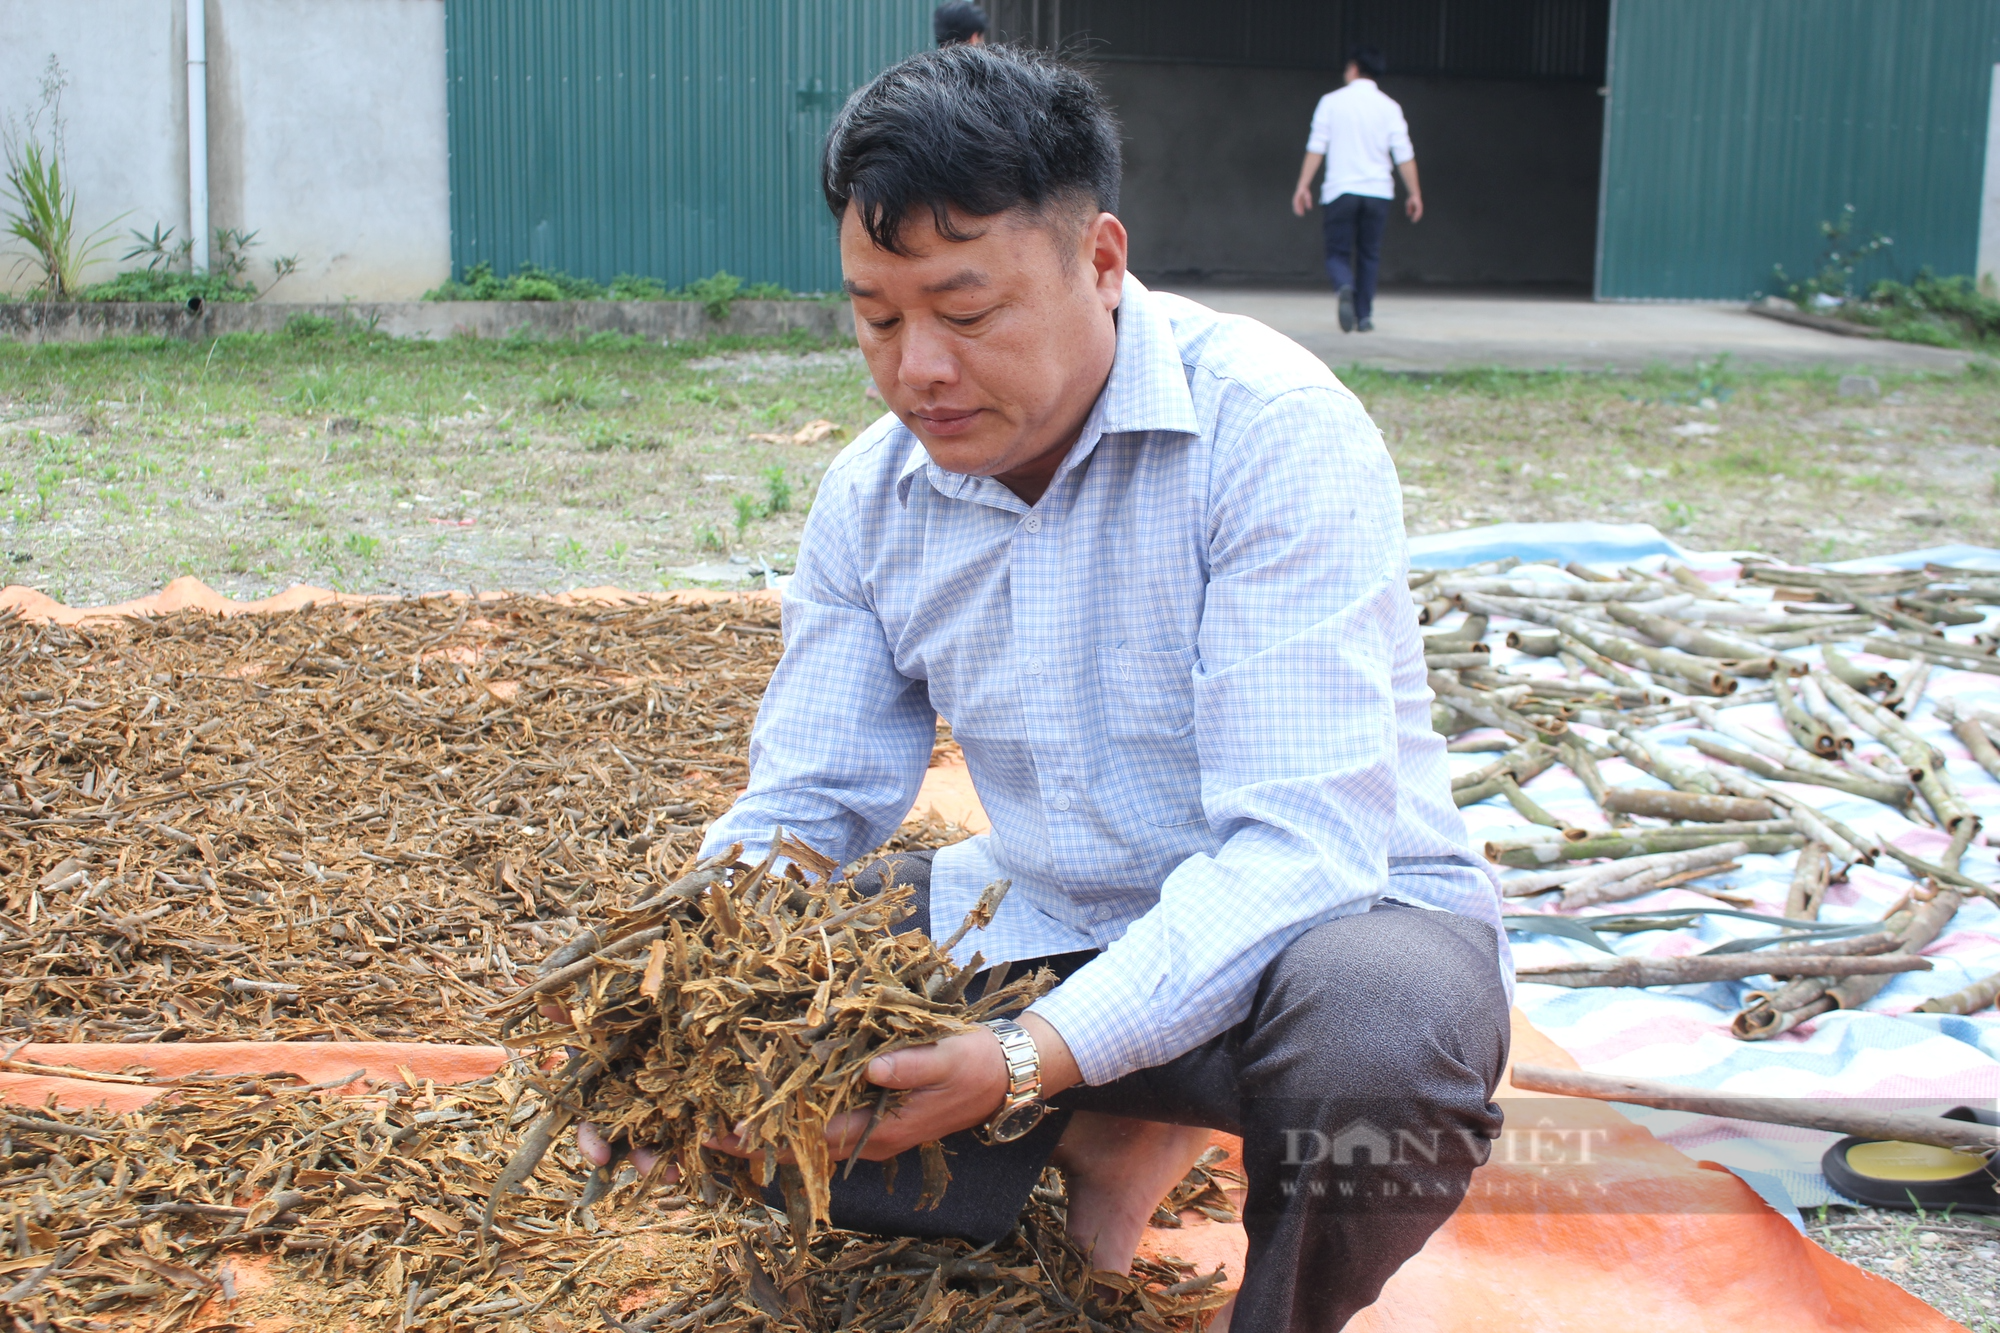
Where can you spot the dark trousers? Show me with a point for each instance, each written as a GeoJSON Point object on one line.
{"type": "Point", "coordinates": [1352, 226]}
{"type": "Point", "coordinates": [1361, 1084]}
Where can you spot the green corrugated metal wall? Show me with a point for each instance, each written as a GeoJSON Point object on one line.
{"type": "Point", "coordinates": [669, 138]}
{"type": "Point", "coordinates": [1736, 126]}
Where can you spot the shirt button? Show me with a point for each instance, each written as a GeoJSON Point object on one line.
{"type": "Point", "coordinates": [1034, 523]}
{"type": "Point", "coordinates": [1062, 801]}
{"type": "Point", "coordinates": [1034, 666]}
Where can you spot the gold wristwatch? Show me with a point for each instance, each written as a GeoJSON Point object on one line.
{"type": "Point", "coordinates": [1023, 1109]}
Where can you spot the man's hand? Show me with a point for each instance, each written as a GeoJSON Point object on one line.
{"type": "Point", "coordinates": [1413, 207]}
{"type": "Point", "coordinates": [953, 1084]}
{"type": "Point", "coordinates": [1302, 199]}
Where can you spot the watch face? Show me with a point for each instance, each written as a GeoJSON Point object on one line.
{"type": "Point", "coordinates": [1013, 1124]}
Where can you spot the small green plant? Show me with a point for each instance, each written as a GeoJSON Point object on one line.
{"type": "Point", "coordinates": [617, 553]}
{"type": "Point", "coordinates": [716, 292]}
{"type": "Point", "coordinates": [566, 393]}
{"type": "Point", "coordinates": [748, 511]}
{"type": "Point", "coordinates": [1680, 513]}
{"type": "Point", "coordinates": [1834, 282]}
{"type": "Point", "coordinates": [363, 547]}
{"type": "Point", "coordinates": [306, 326]}
{"type": "Point", "coordinates": [44, 213]}
{"type": "Point", "coordinates": [777, 490]}
{"type": "Point", "coordinates": [708, 539]}
{"type": "Point", "coordinates": [161, 251]}
{"type": "Point", "coordinates": [571, 554]}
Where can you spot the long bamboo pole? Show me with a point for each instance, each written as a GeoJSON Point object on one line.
{"type": "Point", "coordinates": [1897, 1126]}
{"type": "Point", "coordinates": [1630, 971]}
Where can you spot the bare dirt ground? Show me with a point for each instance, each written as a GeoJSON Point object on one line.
{"type": "Point", "coordinates": [362, 463]}
{"type": "Point", "coordinates": [1951, 1262]}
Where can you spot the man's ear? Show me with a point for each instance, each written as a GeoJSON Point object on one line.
{"type": "Point", "coordinates": [1105, 247]}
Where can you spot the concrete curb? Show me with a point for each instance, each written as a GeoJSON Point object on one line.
{"type": "Point", "coordinates": [664, 321]}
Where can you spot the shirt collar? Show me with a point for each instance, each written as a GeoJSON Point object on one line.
{"type": "Point", "coordinates": [1147, 391]}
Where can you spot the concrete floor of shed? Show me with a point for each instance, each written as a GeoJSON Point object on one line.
{"type": "Point", "coordinates": [1434, 331]}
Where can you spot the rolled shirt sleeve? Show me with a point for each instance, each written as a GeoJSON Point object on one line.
{"type": "Point", "coordinates": [1401, 150]}
{"type": "Point", "coordinates": [1305, 620]}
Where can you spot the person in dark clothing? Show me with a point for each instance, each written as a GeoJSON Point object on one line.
{"type": "Point", "coordinates": [959, 21]}
{"type": "Point", "coordinates": [1360, 134]}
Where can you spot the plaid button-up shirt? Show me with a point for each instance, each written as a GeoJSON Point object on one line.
{"type": "Point", "coordinates": [1188, 684]}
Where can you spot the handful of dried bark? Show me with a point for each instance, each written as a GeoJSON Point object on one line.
{"type": "Point", "coordinates": [751, 1001]}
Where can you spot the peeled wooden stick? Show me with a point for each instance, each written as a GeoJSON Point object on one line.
{"type": "Point", "coordinates": [1633, 971]}
{"type": "Point", "coordinates": [1684, 805]}
{"type": "Point", "coordinates": [1813, 699]}
{"type": "Point", "coordinates": [1972, 735]}
{"type": "Point", "coordinates": [1528, 807]}
{"type": "Point", "coordinates": [1783, 752]}
{"type": "Point", "coordinates": [1874, 789]}
{"type": "Point", "coordinates": [1809, 880]}
{"type": "Point", "coordinates": [1483, 708]}
{"type": "Point", "coordinates": [1614, 887]}
{"type": "Point", "coordinates": [1897, 1126]}
{"type": "Point", "coordinates": [1845, 843]}
{"type": "Point", "coordinates": [1751, 659]}
{"type": "Point", "coordinates": [1810, 733]}
{"type": "Point", "coordinates": [1925, 764]}
{"type": "Point", "coordinates": [1855, 677]}
{"type": "Point", "coordinates": [1970, 1000]}
{"type": "Point", "coordinates": [1522, 886]}
{"type": "Point", "coordinates": [1640, 750]}
{"type": "Point", "coordinates": [1765, 1015]}
{"type": "Point", "coordinates": [1758, 837]}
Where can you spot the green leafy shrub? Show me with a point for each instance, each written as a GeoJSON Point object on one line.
{"type": "Point", "coordinates": [1944, 312]}
{"type": "Point", "coordinates": [144, 284]}
{"type": "Point", "coordinates": [534, 289]}
{"type": "Point", "coordinates": [717, 292]}
{"type": "Point", "coordinates": [306, 326]}
{"type": "Point", "coordinates": [632, 287]}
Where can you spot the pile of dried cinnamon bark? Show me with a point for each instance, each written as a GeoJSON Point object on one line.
{"type": "Point", "coordinates": [382, 822]}
{"type": "Point", "coordinates": [356, 822]}
{"type": "Point", "coordinates": [1640, 650]}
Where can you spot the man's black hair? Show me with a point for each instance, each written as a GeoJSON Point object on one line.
{"type": "Point", "coordinates": [958, 21]}
{"type": "Point", "coordinates": [1369, 60]}
{"type": "Point", "coordinates": [978, 129]}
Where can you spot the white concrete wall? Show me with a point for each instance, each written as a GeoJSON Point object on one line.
{"type": "Point", "coordinates": [124, 112]}
{"type": "Point", "coordinates": [1988, 265]}
{"type": "Point", "coordinates": [326, 129]}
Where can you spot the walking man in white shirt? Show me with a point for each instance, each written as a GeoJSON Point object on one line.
{"type": "Point", "coordinates": [1359, 133]}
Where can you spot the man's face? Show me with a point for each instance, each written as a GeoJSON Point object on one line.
{"type": "Point", "coordinates": [991, 350]}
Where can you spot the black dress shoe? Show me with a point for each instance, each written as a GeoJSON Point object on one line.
{"type": "Point", "coordinates": [1347, 310]}
{"type": "Point", "coordinates": [1913, 1176]}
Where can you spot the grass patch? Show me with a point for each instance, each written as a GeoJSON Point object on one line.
{"type": "Point", "coordinates": [331, 453]}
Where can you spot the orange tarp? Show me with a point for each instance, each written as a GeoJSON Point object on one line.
{"type": "Point", "coordinates": [191, 594]}
{"type": "Point", "coordinates": [1706, 1254]}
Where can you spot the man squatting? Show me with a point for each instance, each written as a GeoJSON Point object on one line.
{"type": "Point", "coordinates": [1149, 562]}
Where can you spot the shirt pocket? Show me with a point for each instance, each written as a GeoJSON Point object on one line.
{"type": "Point", "coordinates": [1149, 718]}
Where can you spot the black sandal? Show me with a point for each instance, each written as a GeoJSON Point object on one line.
{"type": "Point", "coordinates": [1916, 1176]}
